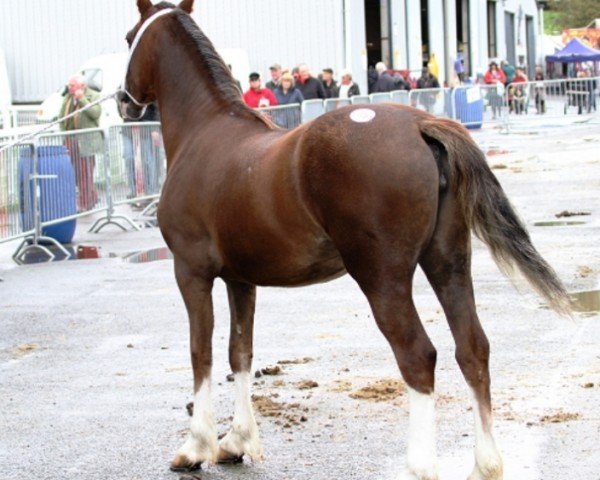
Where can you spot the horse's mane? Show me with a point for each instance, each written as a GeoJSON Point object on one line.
{"type": "Point", "coordinates": [219, 72]}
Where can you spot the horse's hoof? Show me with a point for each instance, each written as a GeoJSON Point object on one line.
{"type": "Point", "coordinates": [182, 464]}
{"type": "Point", "coordinates": [225, 457]}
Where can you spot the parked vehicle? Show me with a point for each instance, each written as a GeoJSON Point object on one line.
{"type": "Point", "coordinates": [5, 94]}
{"type": "Point", "coordinates": [104, 73]}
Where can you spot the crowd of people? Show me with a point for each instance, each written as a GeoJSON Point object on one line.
{"type": "Point", "coordinates": [298, 84]}
{"type": "Point", "coordinates": [513, 80]}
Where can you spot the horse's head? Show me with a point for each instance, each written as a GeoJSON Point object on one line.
{"type": "Point", "coordinates": [138, 86]}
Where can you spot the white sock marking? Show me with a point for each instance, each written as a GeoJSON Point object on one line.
{"type": "Point", "coordinates": [243, 436]}
{"type": "Point", "coordinates": [421, 452]}
{"type": "Point", "coordinates": [201, 444]}
{"type": "Point", "coordinates": [488, 460]}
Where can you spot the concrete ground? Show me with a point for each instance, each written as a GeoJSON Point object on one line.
{"type": "Point", "coordinates": [95, 374]}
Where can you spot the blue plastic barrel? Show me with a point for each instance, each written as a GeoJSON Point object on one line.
{"type": "Point", "coordinates": [57, 195]}
{"type": "Point", "coordinates": [469, 107]}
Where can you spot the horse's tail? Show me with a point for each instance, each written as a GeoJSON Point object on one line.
{"type": "Point", "coordinates": [489, 213]}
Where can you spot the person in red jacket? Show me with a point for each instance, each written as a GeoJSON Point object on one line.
{"type": "Point", "coordinates": [257, 96]}
{"type": "Point", "coordinates": [495, 76]}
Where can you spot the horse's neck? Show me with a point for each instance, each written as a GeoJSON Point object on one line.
{"type": "Point", "coordinates": [189, 102]}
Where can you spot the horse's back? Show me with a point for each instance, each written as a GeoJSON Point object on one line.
{"type": "Point", "coordinates": [371, 169]}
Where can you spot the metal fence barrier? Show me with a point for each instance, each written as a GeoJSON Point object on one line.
{"type": "Point", "coordinates": [19, 116]}
{"type": "Point", "coordinates": [284, 116]}
{"type": "Point", "coordinates": [332, 104]}
{"type": "Point", "coordinates": [360, 99]}
{"type": "Point", "coordinates": [15, 194]}
{"type": "Point", "coordinates": [432, 100]}
{"type": "Point", "coordinates": [49, 182]}
{"type": "Point", "coordinates": [399, 96]}
{"type": "Point", "coordinates": [553, 97]}
{"type": "Point", "coordinates": [312, 109]}
{"type": "Point", "coordinates": [380, 97]}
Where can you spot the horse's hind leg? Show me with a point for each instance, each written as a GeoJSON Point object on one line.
{"type": "Point", "coordinates": [243, 437]}
{"type": "Point", "coordinates": [447, 264]}
{"type": "Point", "coordinates": [386, 279]}
{"type": "Point", "coordinates": [201, 444]}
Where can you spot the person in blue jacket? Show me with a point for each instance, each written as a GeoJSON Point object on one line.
{"type": "Point", "coordinates": [287, 92]}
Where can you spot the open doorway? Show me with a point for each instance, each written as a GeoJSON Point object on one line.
{"type": "Point", "coordinates": [463, 39]}
{"type": "Point", "coordinates": [425, 46]}
{"type": "Point", "coordinates": [377, 26]}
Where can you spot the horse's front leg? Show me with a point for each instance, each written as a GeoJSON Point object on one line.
{"type": "Point", "coordinates": [243, 437]}
{"type": "Point", "coordinates": [201, 444]}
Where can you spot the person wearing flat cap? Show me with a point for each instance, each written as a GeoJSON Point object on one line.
{"type": "Point", "coordinates": [276, 72]}
{"type": "Point", "coordinates": [257, 96]}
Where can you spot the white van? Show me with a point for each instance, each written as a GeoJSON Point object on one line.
{"type": "Point", "coordinates": [5, 93]}
{"type": "Point", "coordinates": [105, 73]}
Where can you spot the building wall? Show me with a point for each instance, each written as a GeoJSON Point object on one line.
{"type": "Point", "coordinates": [521, 9]}
{"type": "Point", "coordinates": [288, 33]}
{"type": "Point", "coordinates": [46, 41]}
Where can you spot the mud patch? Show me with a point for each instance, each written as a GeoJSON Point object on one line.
{"type": "Point", "coordinates": [584, 271]}
{"type": "Point", "coordinates": [25, 348]}
{"type": "Point", "coordinates": [341, 386]}
{"type": "Point", "coordinates": [286, 414]}
{"type": "Point", "coordinates": [560, 417]}
{"type": "Point", "coordinates": [380, 391]}
{"type": "Point", "coordinates": [297, 361]}
{"type": "Point", "coordinates": [567, 213]}
{"type": "Point", "coordinates": [274, 370]}
{"type": "Point", "coordinates": [306, 385]}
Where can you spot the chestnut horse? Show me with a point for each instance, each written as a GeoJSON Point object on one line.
{"type": "Point", "coordinates": [372, 192]}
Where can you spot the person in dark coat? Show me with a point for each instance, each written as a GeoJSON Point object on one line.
{"type": "Point", "coordinates": [428, 82]}
{"type": "Point", "coordinates": [309, 86]}
{"type": "Point", "coordinates": [372, 78]}
{"type": "Point", "coordinates": [329, 84]}
{"type": "Point", "coordinates": [385, 82]}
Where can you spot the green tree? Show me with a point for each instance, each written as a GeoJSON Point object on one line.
{"type": "Point", "coordinates": [574, 13]}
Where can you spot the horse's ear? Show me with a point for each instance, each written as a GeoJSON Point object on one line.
{"type": "Point", "coordinates": [187, 5]}
{"type": "Point", "coordinates": [143, 6]}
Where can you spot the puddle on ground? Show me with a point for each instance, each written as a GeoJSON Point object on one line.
{"type": "Point", "coordinates": [37, 255]}
{"type": "Point", "coordinates": [85, 252]}
{"type": "Point", "coordinates": [586, 302]}
{"type": "Point", "coordinates": [558, 223]}
{"type": "Point", "coordinates": [146, 256]}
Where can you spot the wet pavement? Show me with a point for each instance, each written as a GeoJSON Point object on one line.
{"type": "Point", "coordinates": [95, 374]}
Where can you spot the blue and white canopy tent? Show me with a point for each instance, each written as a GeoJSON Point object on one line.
{"type": "Point", "coordinates": [575, 51]}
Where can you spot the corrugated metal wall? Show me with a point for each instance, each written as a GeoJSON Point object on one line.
{"type": "Point", "coordinates": [47, 40]}
{"type": "Point", "coordinates": [272, 31]}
